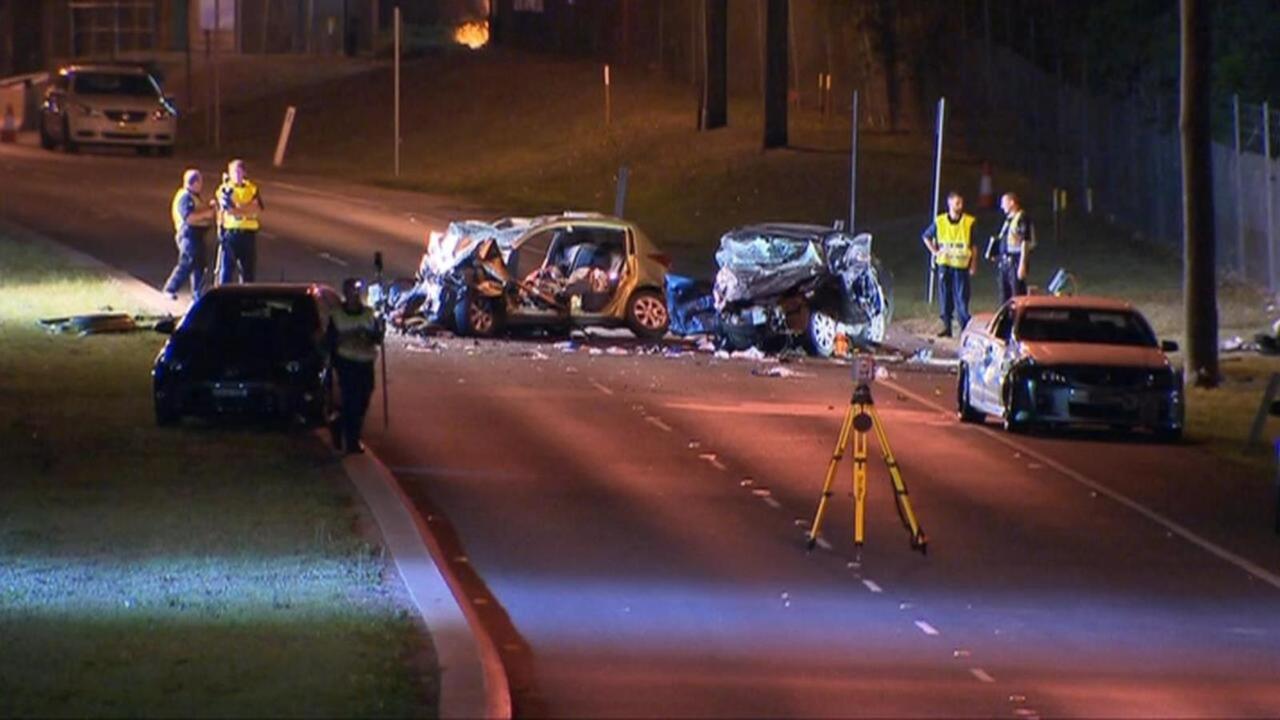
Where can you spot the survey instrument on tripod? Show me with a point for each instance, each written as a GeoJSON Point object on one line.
{"type": "Point", "coordinates": [859, 419]}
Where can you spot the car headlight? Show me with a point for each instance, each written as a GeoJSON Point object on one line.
{"type": "Point", "coordinates": [89, 111]}
{"type": "Point", "coordinates": [1049, 376]}
{"type": "Point", "coordinates": [175, 365]}
{"type": "Point", "coordinates": [293, 366]}
{"type": "Point", "coordinates": [162, 113]}
{"type": "Point", "coordinates": [1162, 380]}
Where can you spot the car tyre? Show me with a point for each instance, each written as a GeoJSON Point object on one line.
{"type": "Point", "coordinates": [965, 410]}
{"type": "Point", "coordinates": [820, 334]}
{"type": "Point", "coordinates": [647, 314]}
{"type": "Point", "coordinates": [68, 145]}
{"type": "Point", "coordinates": [1010, 420]}
{"type": "Point", "coordinates": [478, 316]}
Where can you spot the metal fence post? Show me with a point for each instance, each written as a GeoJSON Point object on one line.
{"type": "Point", "coordinates": [1271, 218]}
{"type": "Point", "coordinates": [1240, 248]}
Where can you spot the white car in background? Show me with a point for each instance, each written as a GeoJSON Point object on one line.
{"type": "Point", "coordinates": [107, 104]}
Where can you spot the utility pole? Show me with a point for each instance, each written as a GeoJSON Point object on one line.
{"type": "Point", "coordinates": [1199, 266]}
{"type": "Point", "coordinates": [715, 102]}
{"type": "Point", "coordinates": [775, 74]}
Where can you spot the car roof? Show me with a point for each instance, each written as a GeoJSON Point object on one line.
{"type": "Point", "coordinates": [797, 231]}
{"type": "Point", "coordinates": [594, 218]}
{"type": "Point", "coordinates": [120, 69]}
{"type": "Point", "coordinates": [1084, 302]}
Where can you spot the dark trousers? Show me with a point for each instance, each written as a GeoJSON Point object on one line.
{"type": "Point", "coordinates": [953, 290]}
{"type": "Point", "coordinates": [355, 381]}
{"type": "Point", "coordinates": [237, 251]}
{"type": "Point", "coordinates": [1007, 279]}
{"type": "Point", "coordinates": [192, 262]}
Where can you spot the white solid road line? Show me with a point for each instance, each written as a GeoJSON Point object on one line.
{"type": "Point", "coordinates": [335, 260]}
{"type": "Point", "coordinates": [600, 387]}
{"type": "Point", "coordinates": [982, 675]}
{"type": "Point", "coordinates": [872, 586]}
{"type": "Point", "coordinates": [657, 422]}
{"type": "Point", "coordinates": [778, 506]}
{"type": "Point", "coordinates": [1208, 546]}
{"type": "Point", "coordinates": [926, 628]}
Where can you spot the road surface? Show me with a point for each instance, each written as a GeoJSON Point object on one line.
{"type": "Point", "coordinates": [631, 525]}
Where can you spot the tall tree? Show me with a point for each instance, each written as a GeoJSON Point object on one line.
{"type": "Point", "coordinates": [775, 73]}
{"type": "Point", "coordinates": [1199, 266]}
{"type": "Point", "coordinates": [715, 101]}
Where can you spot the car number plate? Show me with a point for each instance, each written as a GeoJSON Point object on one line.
{"type": "Point", "coordinates": [230, 392]}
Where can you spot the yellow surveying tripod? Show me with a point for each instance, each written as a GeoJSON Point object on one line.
{"type": "Point", "coordinates": [858, 419]}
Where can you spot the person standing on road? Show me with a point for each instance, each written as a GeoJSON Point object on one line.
{"type": "Point", "coordinates": [190, 224]}
{"type": "Point", "coordinates": [1017, 238]}
{"type": "Point", "coordinates": [950, 241]}
{"type": "Point", "coordinates": [241, 206]}
{"type": "Point", "coordinates": [354, 334]}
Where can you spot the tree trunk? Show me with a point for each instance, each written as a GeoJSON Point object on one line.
{"type": "Point", "coordinates": [716, 98]}
{"type": "Point", "coordinates": [775, 75]}
{"type": "Point", "coordinates": [1199, 267]}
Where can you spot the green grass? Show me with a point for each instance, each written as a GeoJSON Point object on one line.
{"type": "Point", "coordinates": [1222, 417]}
{"type": "Point", "coordinates": [198, 571]}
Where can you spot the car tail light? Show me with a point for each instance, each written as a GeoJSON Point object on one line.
{"type": "Point", "coordinates": [662, 259]}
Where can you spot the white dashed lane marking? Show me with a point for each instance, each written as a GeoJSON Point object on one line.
{"type": "Point", "coordinates": [982, 675]}
{"type": "Point", "coordinates": [823, 543]}
{"type": "Point", "coordinates": [926, 628]}
{"type": "Point", "coordinates": [773, 503]}
{"type": "Point", "coordinates": [335, 260]}
{"type": "Point", "coordinates": [872, 586]}
{"type": "Point", "coordinates": [657, 422]}
{"type": "Point", "coordinates": [601, 388]}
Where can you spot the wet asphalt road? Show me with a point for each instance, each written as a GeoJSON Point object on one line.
{"type": "Point", "coordinates": [631, 527]}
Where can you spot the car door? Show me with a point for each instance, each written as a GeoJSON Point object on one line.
{"type": "Point", "coordinates": [991, 363]}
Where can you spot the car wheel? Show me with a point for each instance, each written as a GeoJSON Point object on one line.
{"type": "Point", "coordinates": [1012, 407]}
{"type": "Point", "coordinates": [965, 410]}
{"type": "Point", "coordinates": [647, 315]}
{"type": "Point", "coordinates": [821, 333]}
{"type": "Point", "coordinates": [477, 315]}
{"type": "Point", "coordinates": [68, 144]}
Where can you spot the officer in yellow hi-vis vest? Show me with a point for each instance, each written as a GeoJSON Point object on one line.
{"type": "Point", "coordinates": [240, 206]}
{"type": "Point", "coordinates": [354, 334]}
{"type": "Point", "coordinates": [950, 240]}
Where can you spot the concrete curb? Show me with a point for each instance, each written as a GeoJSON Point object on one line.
{"type": "Point", "coordinates": [473, 681]}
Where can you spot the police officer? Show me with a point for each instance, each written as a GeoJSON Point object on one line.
{"type": "Point", "coordinates": [190, 223]}
{"type": "Point", "coordinates": [240, 203]}
{"type": "Point", "coordinates": [1017, 238]}
{"type": "Point", "coordinates": [950, 241]}
{"type": "Point", "coordinates": [354, 335]}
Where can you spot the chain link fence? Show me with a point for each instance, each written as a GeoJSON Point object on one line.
{"type": "Point", "coordinates": [1121, 158]}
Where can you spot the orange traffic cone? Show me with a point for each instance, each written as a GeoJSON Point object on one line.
{"type": "Point", "coordinates": [986, 188]}
{"type": "Point", "coordinates": [9, 128]}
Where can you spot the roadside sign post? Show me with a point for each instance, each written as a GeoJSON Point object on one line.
{"type": "Point", "coordinates": [382, 349]}
{"type": "Point", "coordinates": [937, 188]}
{"type": "Point", "coordinates": [853, 169]}
{"type": "Point", "coordinates": [285, 129]}
{"type": "Point", "coordinates": [620, 198]}
{"type": "Point", "coordinates": [396, 34]}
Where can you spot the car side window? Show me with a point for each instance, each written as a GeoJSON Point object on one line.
{"type": "Point", "coordinates": [1003, 325]}
{"type": "Point", "coordinates": [530, 254]}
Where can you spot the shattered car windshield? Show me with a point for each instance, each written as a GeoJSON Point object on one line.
{"type": "Point", "coordinates": [1081, 325]}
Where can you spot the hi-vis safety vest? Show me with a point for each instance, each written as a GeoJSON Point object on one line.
{"type": "Point", "coordinates": [357, 334]}
{"type": "Point", "coordinates": [1013, 241]}
{"type": "Point", "coordinates": [954, 247]}
{"type": "Point", "coordinates": [244, 198]}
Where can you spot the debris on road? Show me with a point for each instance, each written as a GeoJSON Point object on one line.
{"type": "Point", "coordinates": [100, 323]}
{"type": "Point", "coordinates": [779, 371]}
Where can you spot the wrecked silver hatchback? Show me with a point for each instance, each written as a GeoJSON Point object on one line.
{"type": "Point", "coordinates": [779, 283]}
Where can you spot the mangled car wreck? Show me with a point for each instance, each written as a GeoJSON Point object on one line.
{"type": "Point", "coordinates": [558, 271]}
{"type": "Point", "coordinates": [778, 283]}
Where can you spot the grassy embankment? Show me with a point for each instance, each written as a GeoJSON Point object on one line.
{"type": "Point", "coordinates": [194, 571]}
{"type": "Point", "coordinates": [526, 134]}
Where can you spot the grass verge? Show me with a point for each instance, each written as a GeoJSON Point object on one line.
{"type": "Point", "coordinates": [189, 572]}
